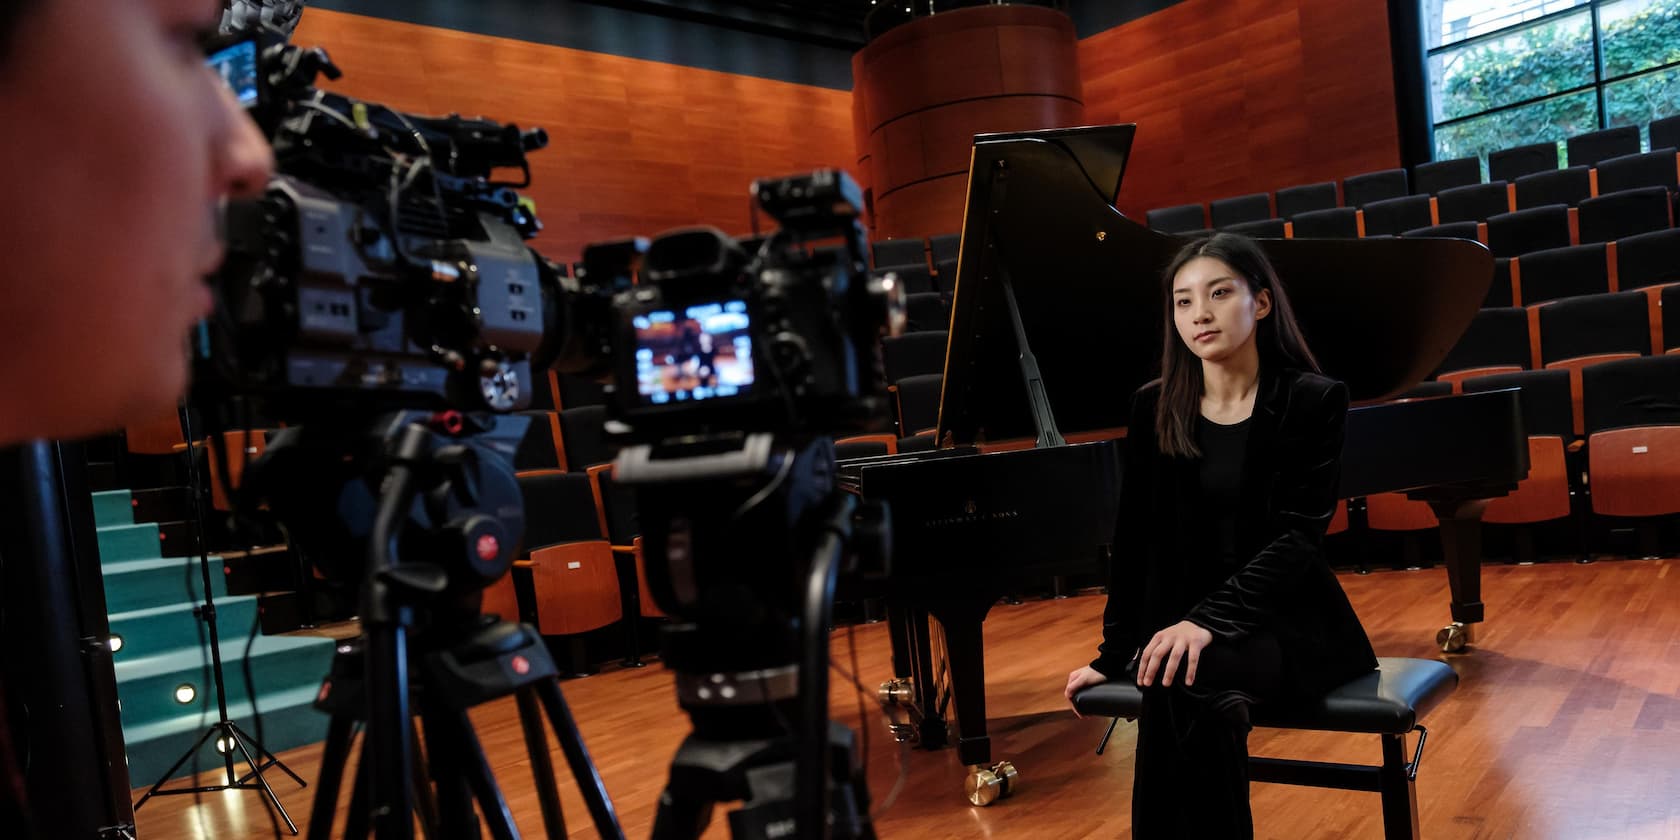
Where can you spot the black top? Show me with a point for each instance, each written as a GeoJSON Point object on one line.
{"type": "Point", "coordinates": [1223, 449]}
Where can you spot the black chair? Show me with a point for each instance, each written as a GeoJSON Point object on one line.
{"type": "Point", "coordinates": [918, 403]}
{"type": "Point", "coordinates": [914, 278]}
{"type": "Point", "coordinates": [945, 275]}
{"type": "Point", "coordinates": [1544, 398]}
{"type": "Point", "coordinates": [1546, 494]}
{"type": "Point", "coordinates": [1513, 163]}
{"type": "Point", "coordinates": [1360, 190]}
{"type": "Point", "coordinates": [1225, 212]}
{"type": "Point", "coordinates": [1474, 203]}
{"type": "Point", "coordinates": [1554, 186]}
{"type": "Point", "coordinates": [1632, 420]}
{"type": "Point", "coordinates": [576, 391]}
{"type": "Point", "coordinates": [1184, 218]}
{"type": "Point", "coordinates": [1387, 702]}
{"type": "Point", "coordinates": [1590, 148]}
{"type": "Point", "coordinates": [539, 449]}
{"type": "Point", "coordinates": [1499, 290]}
{"type": "Point", "coordinates": [1496, 341]}
{"type": "Point", "coordinates": [583, 434]}
{"type": "Point", "coordinates": [1522, 231]}
{"type": "Point", "coordinates": [1426, 390]}
{"type": "Point", "coordinates": [1334, 223]}
{"type": "Point", "coordinates": [845, 449]}
{"type": "Point", "coordinates": [900, 252]}
{"type": "Point", "coordinates": [1449, 230]}
{"type": "Point", "coordinates": [1667, 302]}
{"type": "Point", "coordinates": [917, 443]}
{"type": "Point", "coordinates": [1613, 216]}
{"type": "Point", "coordinates": [1564, 272]}
{"type": "Point", "coordinates": [1260, 229]}
{"type": "Point", "coordinates": [570, 577]}
{"type": "Point", "coordinates": [944, 247]}
{"type": "Point", "coordinates": [1390, 216]}
{"type": "Point", "coordinates": [1580, 331]}
{"type": "Point", "coordinates": [913, 354]}
{"type": "Point", "coordinates": [1665, 133]}
{"type": "Point", "coordinates": [1631, 392]}
{"type": "Point", "coordinates": [927, 311]}
{"type": "Point", "coordinates": [1435, 176]}
{"type": "Point", "coordinates": [1655, 168]}
{"type": "Point", "coordinates": [1293, 201]}
{"type": "Point", "coordinates": [1648, 259]}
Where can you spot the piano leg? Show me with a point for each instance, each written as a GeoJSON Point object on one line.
{"type": "Point", "coordinates": [1461, 548]}
{"type": "Point", "coordinates": [912, 657]}
{"type": "Point", "coordinates": [965, 652]}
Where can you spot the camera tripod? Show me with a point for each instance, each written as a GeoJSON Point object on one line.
{"type": "Point", "coordinates": [488, 660]}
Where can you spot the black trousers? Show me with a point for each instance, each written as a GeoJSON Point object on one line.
{"type": "Point", "coordinates": [1191, 777]}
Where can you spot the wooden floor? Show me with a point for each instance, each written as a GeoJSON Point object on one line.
{"type": "Point", "coordinates": [1566, 725]}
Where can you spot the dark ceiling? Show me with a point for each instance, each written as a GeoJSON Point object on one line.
{"type": "Point", "coordinates": [843, 24]}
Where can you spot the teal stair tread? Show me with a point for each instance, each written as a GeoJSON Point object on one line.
{"type": "Point", "coordinates": [146, 564]}
{"type": "Point", "coordinates": [113, 507]}
{"type": "Point", "coordinates": [192, 658]}
{"type": "Point", "coordinates": [267, 702]}
{"type": "Point", "coordinates": [122, 527]}
{"type": "Point", "coordinates": [124, 542]}
{"type": "Point", "coordinates": [222, 602]}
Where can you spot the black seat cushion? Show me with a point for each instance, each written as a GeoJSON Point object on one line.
{"type": "Point", "coordinates": [1390, 216]}
{"type": "Point", "coordinates": [1360, 190]}
{"type": "Point", "coordinates": [1264, 228]}
{"type": "Point", "coordinates": [1435, 176]}
{"type": "Point", "coordinates": [1389, 700]}
{"type": "Point", "coordinates": [1665, 133]}
{"type": "Point", "coordinates": [1554, 186]}
{"type": "Point", "coordinates": [1513, 163]}
{"type": "Point", "coordinates": [1181, 219]}
{"type": "Point", "coordinates": [1335, 223]}
{"type": "Point", "coordinates": [1225, 212]}
{"type": "Point", "coordinates": [1292, 201]}
{"type": "Point", "coordinates": [1594, 146]}
{"type": "Point", "coordinates": [1447, 230]}
{"type": "Point", "coordinates": [1474, 203]}
{"type": "Point", "coordinates": [1627, 213]}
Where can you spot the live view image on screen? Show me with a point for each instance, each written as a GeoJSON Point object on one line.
{"type": "Point", "coordinates": [238, 68]}
{"type": "Point", "coordinates": [704, 352]}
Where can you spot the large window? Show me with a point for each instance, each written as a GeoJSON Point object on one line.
{"type": "Point", "coordinates": [1505, 73]}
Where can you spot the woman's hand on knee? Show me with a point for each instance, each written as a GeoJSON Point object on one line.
{"type": "Point", "coordinates": [1182, 642]}
{"type": "Point", "coordinates": [1081, 678]}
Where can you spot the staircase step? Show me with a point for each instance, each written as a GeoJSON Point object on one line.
{"type": "Point", "coordinates": [289, 720]}
{"type": "Point", "coordinates": [128, 542]}
{"type": "Point", "coordinates": [157, 630]}
{"type": "Point", "coordinates": [156, 582]}
{"type": "Point", "coordinates": [112, 507]}
{"type": "Point", "coordinates": [164, 504]}
{"type": "Point", "coordinates": [146, 685]}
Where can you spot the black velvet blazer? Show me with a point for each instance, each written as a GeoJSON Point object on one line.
{"type": "Point", "coordinates": [1283, 585]}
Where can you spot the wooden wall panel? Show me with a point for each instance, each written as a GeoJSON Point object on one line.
{"type": "Point", "coordinates": [636, 146]}
{"type": "Point", "coordinates": [1242, 96]}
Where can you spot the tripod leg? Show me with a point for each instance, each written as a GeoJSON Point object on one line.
{"type": "Point", "coordinates": [476, 769]}
{"type": "Point", "coordinates": [334, 755]}
{"type": "Point", "coordinates": [425, 805]}
{"type": "Point", "coordinates": [455, 811]}
{"type": "Point", "coordinates": [170, 773]}
{"type": "Point", "coordinates": [679, 817]}
{"type": "Point", "coordinates": [273, 761]}
{"type": "Point", "coordinates": [577, 757]}
{"type": "Point", "coordinates": [267, 791]}
{"type": "Point", "coordinates": [542, 767]}
{"type": "Point", "coordinates": [356, 821]}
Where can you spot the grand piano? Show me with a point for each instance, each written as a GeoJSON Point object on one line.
{"type": "Point", "coordinates": [1056, 321]}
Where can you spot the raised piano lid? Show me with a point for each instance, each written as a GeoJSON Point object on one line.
{"type": "Point", "coordinates": [1380, 314]}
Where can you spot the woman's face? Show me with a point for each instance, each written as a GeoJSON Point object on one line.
{"type": "Point", "coordinates": [1214, 310]}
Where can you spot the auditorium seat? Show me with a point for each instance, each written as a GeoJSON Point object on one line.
{"type": "Point", "coordinates": [1360, 190]}
{"type": "Point", "coordinates": [1548, 420]}
{"type": "Point", "coordinates": [1499, 290]}
{"type": "Point", "coordinates": [1564, 272]}
{"type": "Point", "coordinates": [1334, 223]}
{"type": "Point", "coordinates": [900, 252]}
{"type": "Point", "coordinates": [1305, 198]}
{"type": "Point", "coordinates": [1474, 203]}
{"type": "Point", "coordinates": [1633, 443]}
{"type": "Point", "coordinates": [1262, 229]}
{"type": "Point", "coordinates": [945, 275]}
{"type": "Point", "coordinates": [583, 437]}
{"type": "Point", "coordinates": [1522, 231]}
{"type": "Point", "coordinates": [1648, 259]}
{"type": "Point", "coordinates": [918, 443]}
{"type": "Point", "coordinates": [1656, 168]}
{"type": "Point", "coordinates": [916, 278]}
{"type": "Point", "coordinates": [1184, 218]}
{"type": "Point", "coordinates": [1594, 146]}
{"type": "Point", "coordinates": [1554, 186]}
{"type": "Point", "coordinates": [864, 446]}
{"type": "Point", "coordinates": [1437, 175]}
{"type": "Point", "coordinates": [1668, 338]}
{"type": "Point", "coordinates": [1513, 163]}
{"type": "Point", "coordinates": [1225, 212]}
{"type": "Point", "coordinates": [1577, 333]}
{"type": "Point", "coordinates": [1388, 702]}
{"type": "Point", "coordinates": [540, 449]}
{"type": "Point", "coordinates": [1448, 230]}
{"type": "Point", "coordinates": [577, 391]}
{"type": "Point", "coordinates": [1390, 216]}
{"type": "Point", "coordinates": [944, 247]}
{"type": "Point", "coordinates": [918, 403]}
{"type": "Point", "coordinates": [1626, 213]}
{"type": "Point", "coordinates": [1665, 133]}
{"type": "Point", "coordinates": [574, 584]}
{"type": "Point", "coordinates": [1426, 390]}
{"type": "Point", "coordinates": [913, 354]}
{"type": "Point", "coordinates": [1497, 341]}
{"type": "Point", "coordinates": [927, 311]}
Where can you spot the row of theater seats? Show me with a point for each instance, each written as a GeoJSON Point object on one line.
{"type": "Point", "coordinates": [1601, 449]}
{"type": "Point", "coordinates": [928, 270]}
{"type": "Point", "coordinates": [915, 371]}
{"type": "Point", "coordinates": [1442, 192]}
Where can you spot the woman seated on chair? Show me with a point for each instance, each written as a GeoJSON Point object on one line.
{"type": "Point", "coordinates": [1221, 596]}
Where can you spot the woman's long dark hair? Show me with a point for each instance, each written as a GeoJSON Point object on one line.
{"type": "Point", "coordinates": [1277, 336]}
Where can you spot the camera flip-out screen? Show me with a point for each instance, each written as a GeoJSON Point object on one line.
{"type": "Point", "coordinates": [237, 65]}
{"type": "Point", "coordinates": [703, 352]}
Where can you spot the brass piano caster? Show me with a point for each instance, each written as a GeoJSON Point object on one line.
{"type": "Point", "coordinates": [1453, 637]}
{"type": "Point", "coordinates": [895, 692]}
{"type": "Point", "coordinates": [904, 733]}
{"type": "Point", "coordinates": [986, 785]}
